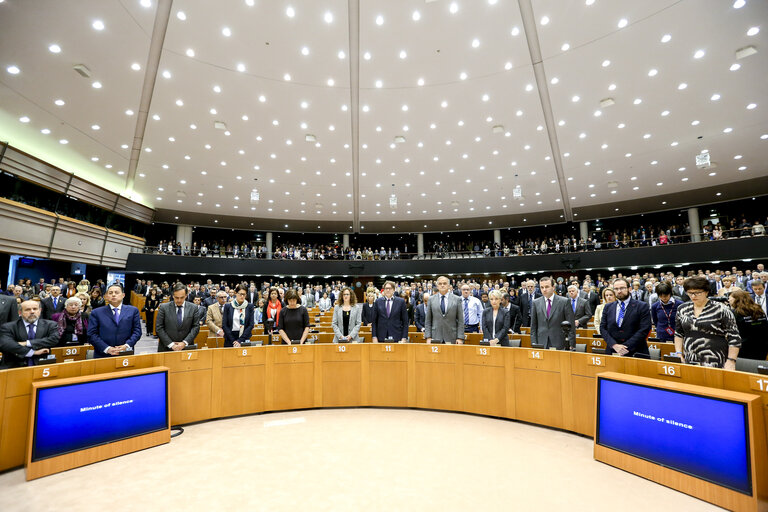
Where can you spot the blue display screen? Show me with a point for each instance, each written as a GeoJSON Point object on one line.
{"type": "Point", "coordinates": [79, 416]}
{"type": "Point", "coordinates": [704, 437]}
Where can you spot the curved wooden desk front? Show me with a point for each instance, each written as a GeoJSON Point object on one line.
{"type": "Point", "coordinates": [555, 389]}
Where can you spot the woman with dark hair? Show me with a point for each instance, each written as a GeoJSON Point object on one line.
{"type": "Point", "coordinates": [71, 289]}
{"type": "Point", "coordinates": [293, 320]}
{"type": "Point", "coordinates": [150, 306]}
{"type": "Point", "coordinates": [237, 318]}
{"type": "Point", "coordinates": [272, 307]}
{"type": "Point", "coordinates": [752, 325]}
{"type": "Point", "coordinates": [346, 317]}
{"type": "Point", "coordinates": [664, 311]}
{"type": "Point", "coordinates": [96, 299]}
{"type": "Point", "coordinates": [705, 330]}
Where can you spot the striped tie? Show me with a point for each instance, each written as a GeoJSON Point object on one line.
{"type": "Point", "coordinates": [622, 310]}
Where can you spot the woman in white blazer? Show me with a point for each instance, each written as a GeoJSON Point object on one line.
{"type": "Point", "coordinates": [347, 318]}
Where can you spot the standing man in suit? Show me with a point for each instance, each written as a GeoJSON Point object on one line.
{"type": "Point", "coordinates": [390, 316]}
{"type": "Point", "coordinates": [547, 313]}
{"type": "Point", "coordinates": [580, 307]}
{"type": "Point", "coordinates": [253, 295]}
{"type": "Point", "coordinates": [678, 290]}
{"type": "Point", "coordinates": [758, 295]}
{"type": "Point", "coordinates": [593, 299]}
{"type": "Point", "coordinates": [27, 337]}
{"type": "Point", "coordinates": [237, 319]}
{"type": "Point", "coordinates": [472, 310]}
{"type": "Point", "coordinates": [515, 318]}
{"type": "Point", "coordinates": [527, 295]}
{"type": "Point", "coordinates": [177, 321]}
{"type": "Point", "coordinates": [445, 317]}
{"type": "Point", "coordinates": [9, 309]}
{"type": "Point", "coordinates": [114, 327]}
{"type": "Point", "coordinates": [214, 316]}
{"type": "Point", "coordinates": [52, 304]}
{"type": "Point", "coordinates": [420, 313]}
{"type": "Point", "coordinates": [625, 323]}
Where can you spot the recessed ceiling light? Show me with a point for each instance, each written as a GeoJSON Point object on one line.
{"type": "Point", "coordinates": [647, 136]}
{"type": "Point", "coordinates": [290, 12]}
{"type": "Point", "coordinates": [190, 52]}
{"type": "Point", "coordinates": [554, 81]}
{"type": "Point", "coordinates": [378, 84]}
{"type": "Point", "coordinates": [695, 122]}
{"type": "Point", "coordinates": [727, 130]}
{"type": "Point", "coordinates": [95, 127]}
{"type": "Point", "coordinates": [606, 63]}
{"type": "Point", "coordinates": [403, 54]}
{"type": "Point", "coordinates": [666, 38]}
{"type": "Point", "coordinates": [565, 47]}
{"type": "Point", "coordinates": [367, 55]}
{"type": "Point", "coordinates": [612, 87]}
{"type": "Point", "coordinates": [620, 125]}
{"type": "Point", "coordinates": [715, 97]}
{"type": "Point", "coordinates": [14, 70]}
{"type": "Point", "coordinates": [24, 119]}
{"type": "Point", "coordinates": [136, 66]}
{"type": "Point", "coordinates": [181, 15]}
{"type": "Point", "coordinates": [682, 86]}
{"type": "Point", "coordinates": [623, 23]}
{"type": "Point", "coordinates": [129, 112]}
{"type": "Point", "coordinates": [416, 16]}
{"type": "Point", "coordinates": [328, 17]}
{"type": "Point", "coordinates": [545, 20]}
{"type": "Point", "coordinates": [304, 51]}
{"type": "Point", "coordinates": [475, 43]}
{"type": "Point", "coordinates": [262, 98]}
{"type": "Point", "coordinates": [453, 8]}
{"type": "Point", "coordinates": [379, 20]}
{"type": "Point", "coordinates": [420, 82]}
{"type": "Point", "coordinates": [653, 72]}
{"type": "Point", "coordinates": [738, 4]}
{"type": "Point", "coordinates": [241, 67]}
{"type": "Point", "coordinates": [665, 113]}
{"type": "Point", "coordinates": [463, 76]}
{"type": "Point", "coordinates": [98, 25]}
{"type": "Point", "coordinates": [637, 101]}
{"type": "Point", "coordinates": [699, 54]}
{"type": "Point", "coordinates": [341, 54]}
{"type": "Point", "coordinates": [166, 74]}
{"type": "Point", "coordinates": [59, 103]}
{"type": "Point", "coordinates": [226, 32]}
{"type": "Point", "coordinates": [45, 131]}
{"type": "Point", "coordinates": [575, 99]}
{"type": "Point", "coordinates": [735, 67]}
{"type": "Point", "coordinates": [751, 106]}
{"type": "Point", "coordinates": [64, 141]}
{"type": "Point", "coordinates": [54, 48]}
{"type": "Point", "coordinates": [753, 31]}
{"type": "Point", "coordinates": [180, 102]}
{"type": "Point", "coordinates": [515, 31]}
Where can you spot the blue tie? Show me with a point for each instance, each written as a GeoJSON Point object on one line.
{"type": "Point", "coordinates": [573, 304]}
{"type": "Point", "coordinates": [442, 304]}
{"type": "Point", "coordinates": [178, 315]}
{"type": "Point", "coordinates": [466, 311]}
{"type": "Point", "coordinates": [31, 336]}
{"type": "Point", "coordinates": [55, 302]}
{"type": "Point", "coordinates": [116, 311]}
{"type": "Point", "coordinates": [622, 310]}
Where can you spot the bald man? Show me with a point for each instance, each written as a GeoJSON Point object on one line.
{"type": "Point", "coordinates": [26, 338]}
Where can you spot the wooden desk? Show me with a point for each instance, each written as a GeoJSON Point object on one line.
{"type": "Point", "coordinates": [546, 387]}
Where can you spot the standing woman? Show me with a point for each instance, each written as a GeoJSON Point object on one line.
{"type": "Point", "coordinates": [71, 289]}
{"type": "Point", "coordinates": [150, 306]}
{"type": "Point", "coordinates": [325, 303]}
{"type": "Point", "coordinates": [368, 308]}
{"type": "Point", "coordinates": [272, 308]}
{"type": "Point", "coordinates": [406, 296]}
{"type": "Point", "coordinates": [96, 299]}
{"type": "Point", "coordinates": [72, 324]}
{"type": "Point", "coordinates": [705, 330]}
{"type": "Point", "coordinates": [752, 325]}
{"type": "Point", "coordinates": [237, 318]}
{"type": "Point", "coordinates": [84, 286]}
{"type": "Point", "coordinates": [346, 318]}
{"type": "Point", "coordinates": [608, 296]}
{"type": "Point", "coordinates": [495, 321]}
{"type": "Point", "coordinates": [293, 320]}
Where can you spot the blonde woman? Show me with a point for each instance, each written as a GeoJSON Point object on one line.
{"type": "Point", "coordinates": [608, 296]}
{"type": "Point", "coordinates": [84, 286]}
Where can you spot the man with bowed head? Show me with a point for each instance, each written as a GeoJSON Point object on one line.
{"type": "Point", "coordinates": [27, 337]}
{"type": "Point", "coordinates": [115, 327]}
{"type": "Point", "coordinates": [178, 321]}
{"type": "Point", "coordinates": [390, 317]}
{"type": "Point", "coordinates": [547, 313]}
{"type": "Point", "coordinates": [626, 322]}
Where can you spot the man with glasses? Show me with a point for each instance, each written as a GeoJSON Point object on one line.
{"type": "Point", "coordinates": [625, 323]}
{"type": "Point", "coordinates": [214, 315]}
{"type": "Point", "coordinates": [390, 317]}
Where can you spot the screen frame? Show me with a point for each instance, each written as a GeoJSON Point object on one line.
{"type": "Point", "coordinates": [57, 385]}
{"type": "Point", "coordinates": [747, 431]}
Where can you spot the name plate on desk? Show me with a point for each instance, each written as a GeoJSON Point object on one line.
{"type": "Point", "coordinates": [482, 351]}
{"type": "Point", "coordinates": [124, 362]}
{"type": "Point", "coordinates": [72, 351]}
{"type": "Point", "coordinates": [535, 354]}
{"type": "Point", "coordinates": [596, 361]}
{"type": "Point", "coordinates": [44, 372]}
{"type": "Point", "coordinates": [671, 370]}
{"type": "Point", "coordinates": [435, 349]}
{"type": "Point", "coordinates": [294, 349]}
{"type": "Point", "coordinates": [189, 356]}
{"type": "Point", "coordinates": [341, 348]}
{"type": "Point", "coordinates": [388, 348]}
{"type": "Point", "coordinates": [758, 384]}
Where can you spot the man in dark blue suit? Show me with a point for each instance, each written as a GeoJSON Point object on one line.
{"type": "Point", "coordinates": [420, 313]}
{"type": "Point", "coordinates": [115, 327]}
{"type": "Point", "coordinates": [626, 322]}
{"type": "Point", "coordinates": [390, 316]}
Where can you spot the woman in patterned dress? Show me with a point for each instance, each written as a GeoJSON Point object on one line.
{"type": "Point", "coordinates": [705, 331]}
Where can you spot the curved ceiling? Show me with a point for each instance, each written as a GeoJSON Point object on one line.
{"type": "Point", "coordinates": [327, 104]}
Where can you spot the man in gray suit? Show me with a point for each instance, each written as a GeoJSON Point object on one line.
{"type": "Point", "coordinates": [310, 298]}
{"type": "Point", "coordinates": [178, 322]}
{"type": "Point", "coordinates": [444, 321]}
{"type": "Point", "coordinates": [547, 313]}
{"type": "Point", "coordinates": [580, 306]}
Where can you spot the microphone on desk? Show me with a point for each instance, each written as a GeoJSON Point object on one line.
{"type": "Point", "coordinates": [565, 326]}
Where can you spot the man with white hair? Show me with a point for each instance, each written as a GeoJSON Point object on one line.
{"type": "Point", "coordinates": [29, 336]}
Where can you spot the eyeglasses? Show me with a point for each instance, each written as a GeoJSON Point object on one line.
{"type": "Point", "coordinates": [695, 294]}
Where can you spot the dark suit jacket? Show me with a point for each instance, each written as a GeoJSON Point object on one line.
{"type": "Point", "coordinates": [502, 325]}
{"type": "Point", "coordinates": [396, 325]}
{"type": "Point", "coordinates": [634, 328]}
{"type": "Point", "coordinates": [419, 316]}
{"type": "Point", "coordinates": [11, 333]}
{"type": "Point", "coordinates": [369, 313]}
{"type": "Point", "coordinates": [515, 318]}
{"type": "Point", "coordinates": [168, 331]}
{"type": "Point", "coordinates": [104, 333]}
{"type": "Point", "coordinates": [526, 304]}
{"type": "Point", "coordinates": [594, 300]}
{"type": "Point", "coordinates": [226, 325]}
{"type": "Point", "coordinates": [47, 306]}
{"type": "Point", "coordinates": [9, 310]}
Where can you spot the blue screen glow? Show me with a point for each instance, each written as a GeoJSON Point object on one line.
{"type": "Point", "coordinates": [701, 436]}
{"type": "Point", "coordinates": [79, 416]}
